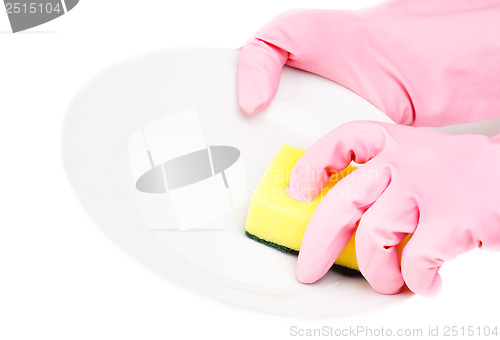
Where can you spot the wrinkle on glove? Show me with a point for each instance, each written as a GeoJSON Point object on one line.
{"type": "Point", "coordinates": [421, 62]}
{"type": "Point", "coordinates": [444, 189]}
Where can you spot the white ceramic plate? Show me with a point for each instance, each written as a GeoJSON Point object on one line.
{"type": "Point", "coordinates": [149, 110]}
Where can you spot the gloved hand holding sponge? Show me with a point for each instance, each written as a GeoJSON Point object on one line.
{"type": "Point", "coordinates": [423, 63]}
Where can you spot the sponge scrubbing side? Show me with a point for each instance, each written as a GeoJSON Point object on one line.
{"type": "Point", "coordinates": [279, 221]}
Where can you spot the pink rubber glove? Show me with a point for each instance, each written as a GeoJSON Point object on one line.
{"type": "Point", "coordinates": [421, 62]}
{"type": "Point", "coordinates": [444, 189]}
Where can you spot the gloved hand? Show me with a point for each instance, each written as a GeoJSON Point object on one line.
{"type": "Point", "coordinates": [444, 189]}
{"type": "Point", "coordinates": [421, 62]}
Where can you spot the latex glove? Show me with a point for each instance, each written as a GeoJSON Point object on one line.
{"type": "Point", "coordinates": [421, 62]}
{"type": "Point", "coordinates": [444, 189]}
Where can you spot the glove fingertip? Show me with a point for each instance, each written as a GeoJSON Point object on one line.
{"type": "Point", "coordinates": [435, 287]}
{"type": "Point", "coordinates": [312, 264]}
{"type": "Point", "coordinates": [386, 291]}
{"type": "Point", "coordinates": [252, 105]}
{"type": "Point", "coordinates": [298, 196]}
{"type": "Point", "coordinates": [256, 90]}
{"type": "Point", "coordinates": [427, 290]}
{"type": "Point", "coordinates": [259, 73]}
{"type": "Point", "coordinates": [306, 275]}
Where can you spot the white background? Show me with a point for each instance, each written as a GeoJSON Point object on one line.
{"type": "Point", "coordinates": [60, 277]}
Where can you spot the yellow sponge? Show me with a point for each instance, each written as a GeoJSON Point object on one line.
{"type": "Point", "coordinates": [279, 221]}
